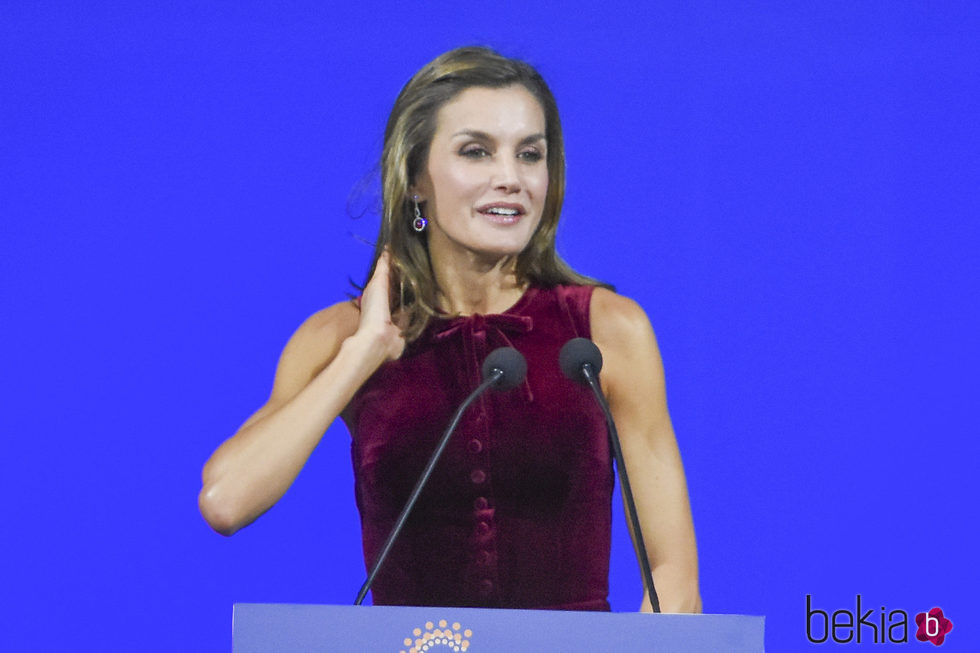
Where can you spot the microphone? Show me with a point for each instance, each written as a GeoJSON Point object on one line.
{"type": "Point", "coordinates": [504, 368]}
{"type": "Point", "coordinates": [580, 361]}
{"type": "Point", "coordinates": [575, 355]}
{"type": "Point", "coordinates": [507, 366]}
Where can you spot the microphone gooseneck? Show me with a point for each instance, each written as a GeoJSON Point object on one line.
{"type": "Point", "coordinates": [503, 369]}
{"type": "Point", "coordinates": [580, 361]}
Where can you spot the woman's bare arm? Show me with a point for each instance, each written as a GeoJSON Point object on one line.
{"type": "Point", "coordinates": [633, 380]}
{"type": "Point", "coordinates": [324, 363]}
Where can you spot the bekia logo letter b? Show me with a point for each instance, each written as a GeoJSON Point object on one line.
{"type": "Point", "coordinates": [933, 626]}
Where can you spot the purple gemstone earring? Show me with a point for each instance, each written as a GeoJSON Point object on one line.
{"type": "Point", "coordinates": [418, 224]}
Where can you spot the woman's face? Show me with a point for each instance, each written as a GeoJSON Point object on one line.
{"type": "Point", "coordinates": [486, 175]}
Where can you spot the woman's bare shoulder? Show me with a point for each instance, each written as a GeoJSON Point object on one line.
{"type": "Point", "coordinates": [622, 332]}
{"type": "Point", "coordinates": [313, 346]}
{"type": "Point", "coordinates": [616, 318]}
{"type": "Point", "coordinates": [339, 319]}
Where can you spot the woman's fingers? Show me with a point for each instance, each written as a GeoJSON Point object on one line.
{"type": "Point", "coordinates": [376, 319]}
{"type": "Point", "coordinates": [374, 299]}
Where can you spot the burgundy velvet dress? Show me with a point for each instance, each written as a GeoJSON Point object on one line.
{"type": "Point", "coordinates": [517, 511]}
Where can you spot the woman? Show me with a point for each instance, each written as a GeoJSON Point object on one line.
{"type": "Point", "coordinates": [517, 512]}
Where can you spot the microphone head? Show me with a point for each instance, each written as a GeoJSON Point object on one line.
{"type": "Point", "coordinates": [509, 361]}
{"type": "Point", "coordinates": [576, 353]}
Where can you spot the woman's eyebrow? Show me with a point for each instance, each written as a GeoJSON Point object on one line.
{"type": "Point", "coordinates": [533, 138]}
{"type": "Point", "coordinates": [484, 136]}
{"type": "Point", "coordinates": [473, 133]}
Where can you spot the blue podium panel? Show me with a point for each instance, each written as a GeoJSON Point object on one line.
{"type": "Point", "coordinates": [284, 628]}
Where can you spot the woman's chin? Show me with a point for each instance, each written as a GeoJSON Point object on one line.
{"type": "Point", "coordinates": [489, 246]}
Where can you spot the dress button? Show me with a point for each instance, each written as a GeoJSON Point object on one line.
{"type": "Point", "coordinates": [483, 558]}
{"type": "Point", "coordinates": [478, 476]}
{"type": "Point", "coordinates": [486, 586]}
{"type": "Point", "coordinates": [474, 446]}
{"type": "Point", "coordinates": [483, 528]}
{"type": "Point", "coordinates": [481, 503]}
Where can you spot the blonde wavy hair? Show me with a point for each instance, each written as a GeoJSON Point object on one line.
{"type": "Point", "coordinates": [408, 134]}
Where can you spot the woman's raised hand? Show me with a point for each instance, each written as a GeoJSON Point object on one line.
{"type": "Point", "coordinates": [375, 322]}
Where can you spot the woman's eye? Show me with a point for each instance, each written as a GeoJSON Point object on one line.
{"type": "Point", "coordinates": [475, 152]}
{"type": "Point", "coordinates": [531, 156]}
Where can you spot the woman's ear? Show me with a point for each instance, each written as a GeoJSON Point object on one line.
{"type": "Point", "coordinates": [420, 188]}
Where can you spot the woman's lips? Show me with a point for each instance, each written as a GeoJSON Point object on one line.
{"type": "Point", "coordinates": [501, 213]}
{"type": "Point", "coordinates": [497, 218]}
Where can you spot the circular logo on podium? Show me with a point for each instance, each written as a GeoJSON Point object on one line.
{"type": "Point", "coordinates": [439, 637]}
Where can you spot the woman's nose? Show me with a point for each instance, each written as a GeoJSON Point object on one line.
{"type": "Point", "coordinates": [506, 176]}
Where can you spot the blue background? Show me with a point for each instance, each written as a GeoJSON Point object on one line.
{"type": "Point", "coordinates": [789, 190]}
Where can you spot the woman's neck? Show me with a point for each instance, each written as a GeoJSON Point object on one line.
{"type": "Point", "coordinates": [474, 286]}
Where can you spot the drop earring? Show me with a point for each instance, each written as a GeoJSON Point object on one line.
{"type": "Point", "coordinates": [418, 224]}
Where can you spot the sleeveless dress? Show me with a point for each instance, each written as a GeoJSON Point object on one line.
{"type": "Point", "coordinates": [517, 512]}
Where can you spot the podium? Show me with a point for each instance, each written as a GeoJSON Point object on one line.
{"type": "Point", "coordinates": [286, 628]}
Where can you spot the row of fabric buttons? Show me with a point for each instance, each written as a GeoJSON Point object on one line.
{"type": "Point", "coordinates": [484, 544]}
{"type": "Point", "coordinates": [484, 555]}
